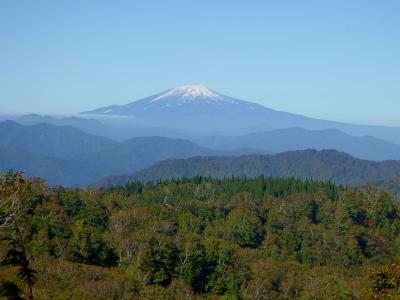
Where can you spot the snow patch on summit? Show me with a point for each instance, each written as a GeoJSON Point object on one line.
{"type": "Point", "coordinates": [190, 92]}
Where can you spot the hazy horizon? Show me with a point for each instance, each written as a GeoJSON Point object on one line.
{"type": "Point", "coordinates": [337, 61]}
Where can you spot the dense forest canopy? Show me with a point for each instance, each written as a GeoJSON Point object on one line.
{"type": "Point", "coordinates": [198, 238]}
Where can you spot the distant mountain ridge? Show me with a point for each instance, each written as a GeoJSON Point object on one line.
{"type": "Point", "coordinates": [331, 165]}
{"type": "Point", "coordinates": [49, 140]}
{"type": "Point", "coordinates": [282, 140]}
{"type": "Point", "coordinates": [88, 125]}
{"type": "Point", "coordinates": [69, 156]}
{"type": "Point", "coordinates": [55, 170]}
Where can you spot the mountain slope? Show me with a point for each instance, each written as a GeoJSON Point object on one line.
{"type": "Point", "coordinates": [281, 140]}
{"type": "Point", "coordinates": [200, 110]}
{"type": "Point", "coordinates": [91, 126]}
{"type": "Point", "coordinates": [138, 153]}
{"type": "Point", "coordinates": [319, 165]}
{"type": "Point", "coordinates": [39, 148]}
{"type": "Point", "coordinates": [56, 171]}
{"type": "Point", "coordinates": [194, 108]}
{"type": "Point", "coordinates": [50, 140]}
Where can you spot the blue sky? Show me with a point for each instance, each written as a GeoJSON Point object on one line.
{"type": "Point", "coordinates": [336, 60]}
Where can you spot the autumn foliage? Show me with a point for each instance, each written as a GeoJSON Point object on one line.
{"type": "Point", "coordinates": [202, 239]}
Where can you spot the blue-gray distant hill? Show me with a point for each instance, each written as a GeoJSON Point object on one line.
{"type": "Point", "coordinates": [68, 156]}
{"type": "Point", "coordinates": [88, 125]}
{"type": "Point", "coordinates": [113, 128]}
{"type": "Point", "coordinates": [50, 140]}
{"type": "Point", "coordinates": [56, 171]}
{"type": "Point", "coordinates": [281, 140]}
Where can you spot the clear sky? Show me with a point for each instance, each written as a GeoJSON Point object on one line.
{"type": "Point", "coordinates": [336, 60]}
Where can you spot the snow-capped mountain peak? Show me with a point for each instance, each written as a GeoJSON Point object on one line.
{"type": "Point", "coordinates": [185, 100]}
{"type": "Point", "coordinates": [191, 92]}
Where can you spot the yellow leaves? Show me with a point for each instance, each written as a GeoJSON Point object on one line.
{"type": "Point", "coordinates": [385, 282]}
{"type": "Point", "coordinates": [12, 189]}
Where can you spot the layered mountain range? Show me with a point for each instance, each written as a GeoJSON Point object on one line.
{"type": "Point", "coordinates": [180, 123]}
{"type": "Point", "coordinates": [68, 156]}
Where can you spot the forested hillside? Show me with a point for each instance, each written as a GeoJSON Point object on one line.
{"type": "Point", "coordinates": [319, 165]}
{"type": "Point", "coordinates": [198, 238]}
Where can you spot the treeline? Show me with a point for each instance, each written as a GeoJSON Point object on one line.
{"type": "Point", "coordinates": [198, 238]}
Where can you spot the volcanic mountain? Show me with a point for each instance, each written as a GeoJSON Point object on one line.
{"type": "Point", "coordinates": [198, 109]}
